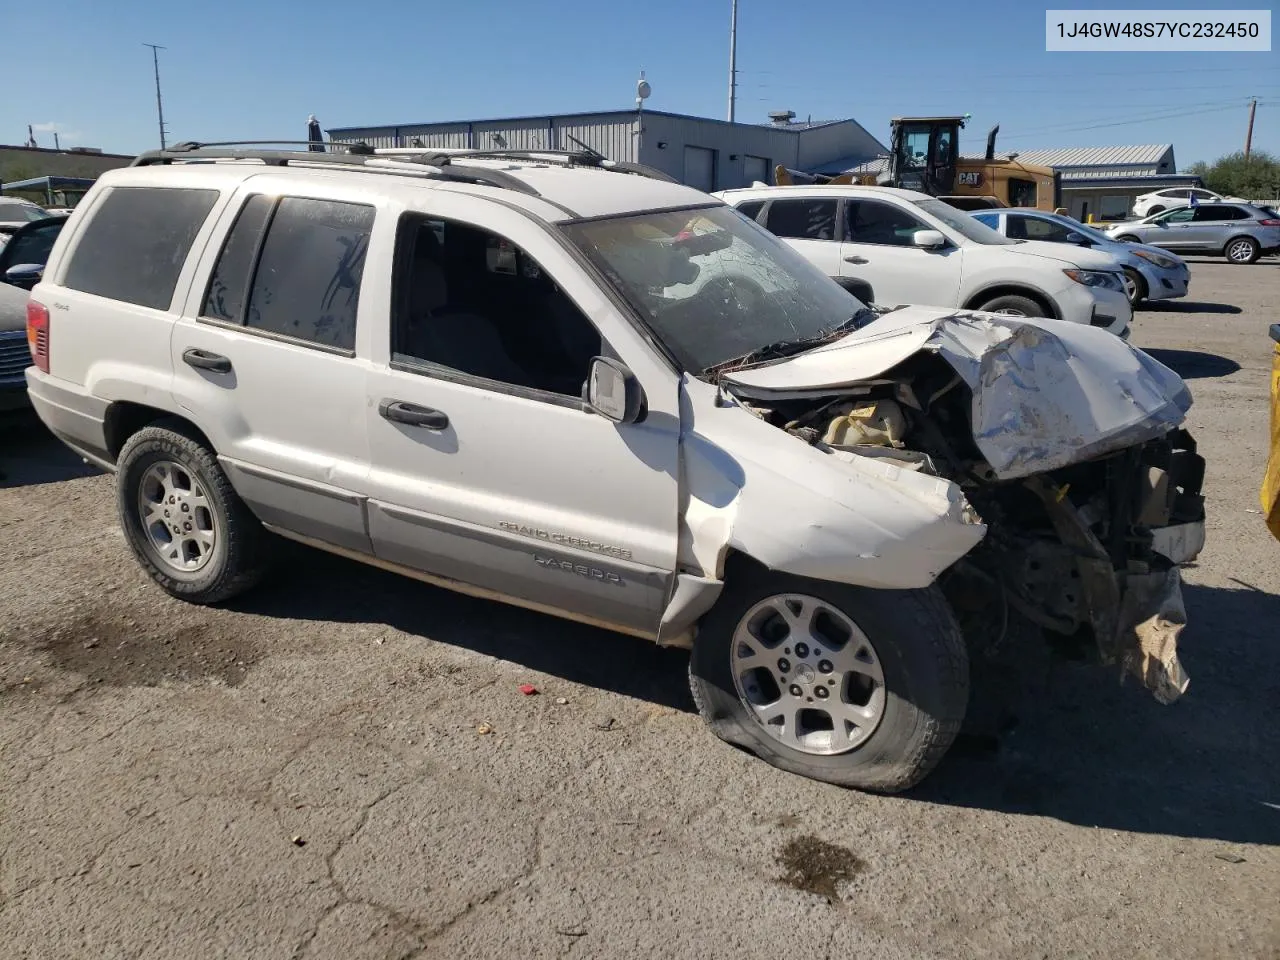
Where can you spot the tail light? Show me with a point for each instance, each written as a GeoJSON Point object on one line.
{"type": "Point", "coordinates": [1270, 223]}
{"type": "Point", "coordinates": [38, 334]}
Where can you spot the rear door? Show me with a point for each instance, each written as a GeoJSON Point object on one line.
{"type": "Point", "coordinates": [879, 249]}
{"type": "Point", "coordinates": [265, 357]}
{"type": "Point", "coordinates": [809, 225]}
{"type": "Point", "coordinates": [1213, 224]}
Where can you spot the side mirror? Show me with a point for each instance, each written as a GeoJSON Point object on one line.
{"type": "Point", "coordinates": [929, 239]}
{"type": "Point", "coordinates": [613, 391]}
{"type": "Point", "coordinates": [1080, 239]}
{"type": "Point", "coordinates": [25, 275]}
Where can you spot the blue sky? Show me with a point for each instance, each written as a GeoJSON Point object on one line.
{"type": "Point", "coordinates": [254, 70]}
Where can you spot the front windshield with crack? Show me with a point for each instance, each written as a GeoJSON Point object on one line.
{"type": "Point", "coordinates": [711, 284]}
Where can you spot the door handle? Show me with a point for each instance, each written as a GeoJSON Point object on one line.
{"type": "Point", "coordinates": [412, 414]}
{"type": "Point", "coordinates": [204, 360]}
{"type": "Point", "coordinates": [856, 259]}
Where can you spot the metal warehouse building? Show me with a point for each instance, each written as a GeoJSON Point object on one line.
{"type": "Point", "coordinates": [703, 153]}
{"type": "Point", "coordinates": [1103, 182]}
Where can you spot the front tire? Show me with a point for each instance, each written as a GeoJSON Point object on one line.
{"type": "Point", "coordinates": [893, 664]}
{"type": "Point", "coordinates": [1014, 306]}
{"type": "Point", "coordinates": [1135, 287]}
{"type": "Point", "coordinates": [186, 525]}
{"type": "Point", "coordinates": [1242, 250]}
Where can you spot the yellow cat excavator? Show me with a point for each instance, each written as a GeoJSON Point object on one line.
{"type": "Point", "coordinates": [924, 156]}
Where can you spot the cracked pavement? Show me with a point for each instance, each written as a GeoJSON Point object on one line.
{"type": "Point", "coordinates": [300, 774]}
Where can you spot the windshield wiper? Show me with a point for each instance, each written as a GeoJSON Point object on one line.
{"type": "Point", "coordinates": [790, 347]}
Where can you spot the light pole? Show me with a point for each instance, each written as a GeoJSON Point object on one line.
{"type": "Point", "coordinates": [155, 60]}
{"type": "Point", "coordinates": [733, 59]}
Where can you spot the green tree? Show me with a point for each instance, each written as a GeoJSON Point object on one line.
{"type": "Point", "coordinates": [1255, 177]}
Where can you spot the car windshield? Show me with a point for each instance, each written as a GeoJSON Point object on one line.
{"type": "Point", "coordinates": [711, 284]}
{"type": "Point", "coordinates": [962, 223]}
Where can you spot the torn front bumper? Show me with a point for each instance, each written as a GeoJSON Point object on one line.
{"type": "Point", "coordinates": [1131, 587]}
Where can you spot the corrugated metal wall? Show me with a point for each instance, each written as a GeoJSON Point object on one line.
{"type": "Point", "coordinates": [663, 144]}
{"type": "Point", "coordinates": [611, 134]}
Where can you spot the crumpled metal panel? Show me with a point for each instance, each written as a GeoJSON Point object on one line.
{"type": "Point", "coordinates": [1049, 393]}
{"type": "Point", "coordinates": [1151, 617]}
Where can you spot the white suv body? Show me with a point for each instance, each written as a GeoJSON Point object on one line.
{"type": "Point", "coordinates": [872, 240]}
{"type": "Point", "coordinates": [473, 371]}
{"type": "Point", "coordinates": [1174, 197]}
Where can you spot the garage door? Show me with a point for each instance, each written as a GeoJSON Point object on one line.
{"type": "Point", "coordinates": [700, 168]}
{"type": "Point", "coordinates": [755, 168]}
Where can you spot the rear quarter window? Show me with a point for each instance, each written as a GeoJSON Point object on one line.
{"type": "Point", "coordinates": [134, 245]}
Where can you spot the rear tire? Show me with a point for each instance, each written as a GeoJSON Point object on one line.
{"type": "Point", "coordinates": [1242, 250]}
{"type": "Point", "coordinates": [186, 525]}
{"type": "Point", "coordinates": [907, 638]}
{"type": "Point", "coordinates": [1014, 306]}
{"type": "Point", "coordinates": [1154, 210]}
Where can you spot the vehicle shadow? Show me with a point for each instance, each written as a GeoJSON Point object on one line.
{"type": "Point", "coordinates": [314, 585]}
{"type": "Point", "coordinates": [1187, 306]}
{"type": "Point", "coordinates": [1085, 750]}
{"type": "Point", "coordinates": [30, 454]}
{"type": "Point", "coordinates": [1193, 364]}
{"type": "Point", "coordinates": [1088, 751]}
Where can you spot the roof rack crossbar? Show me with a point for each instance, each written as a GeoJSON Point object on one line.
{"type": "Point", "coordinates": [582, 158]}
{"type": "Point", "coordinates": [367, 160]}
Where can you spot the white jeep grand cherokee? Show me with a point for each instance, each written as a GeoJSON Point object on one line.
{"type": "Point", "coordinates": [488, 373]}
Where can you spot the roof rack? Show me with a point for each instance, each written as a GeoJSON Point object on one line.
{"type": "Point", "coordinates": [357, 155]}
{"type": "Point", "coordinates": [444, 156]}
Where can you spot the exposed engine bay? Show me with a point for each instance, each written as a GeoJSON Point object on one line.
{"type": "Point", "coordinates": [1088, 551]}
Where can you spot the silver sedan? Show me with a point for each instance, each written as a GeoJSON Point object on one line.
{"type": "Point", "coordinates": [1150, 273]}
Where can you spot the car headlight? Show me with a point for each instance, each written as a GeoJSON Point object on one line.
{"type": "Point", "coordinates": [1164, 263]}
{"type": "Point", "coordinates": [1097, 278]}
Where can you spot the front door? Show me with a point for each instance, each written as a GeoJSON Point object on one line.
{"type": "Point", "coordinates": [879, 247]}
{"type": "Point", "coordinates": [487, 467]}
{"type": "Point", "coordinates": [1174, 230]}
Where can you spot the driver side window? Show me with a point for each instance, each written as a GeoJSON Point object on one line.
{"type": "Point", "coordinates": [474, 302]}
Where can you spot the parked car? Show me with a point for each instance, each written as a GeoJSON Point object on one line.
{"type": "Point", "coordinates": [468, 369]}
{"type": "Point", "coordinates": [897, 246]}
{"type": "Point", "coordinates": [23, 258]}
{"type": "Point", "coordinates": [1170, 199]}
{"type": "Point", "coordinates": [17, 210]}
{"type": "Point", "coordinates": [1150, 273]}
{"type": "Point", "coordinates": [1238, 231]}
{"type": "Point", "coordinates": [15, 354]}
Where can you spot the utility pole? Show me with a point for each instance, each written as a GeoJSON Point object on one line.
{"type": "Point", "coordinates": [733, 60]}
{"type": "Point", "coordinates": [155, 60]}
{"type": "Point", "coordinates": [1248, 136]}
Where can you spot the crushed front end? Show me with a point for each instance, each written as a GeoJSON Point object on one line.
{"type": "Point", "coordinates": [1069, 446]}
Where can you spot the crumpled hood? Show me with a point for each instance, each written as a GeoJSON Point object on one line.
{"type": "Point", "coordinates": [1046, 393]}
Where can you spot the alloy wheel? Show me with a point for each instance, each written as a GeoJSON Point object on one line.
{"type": "Point", "coordinates": [807, 674]}
{"type": "Point", "coordinates": [177, 516]}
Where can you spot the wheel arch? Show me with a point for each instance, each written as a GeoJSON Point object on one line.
{"type": "Point", "coordinates": [124, 418]}
{"type": "Point", "coordinates": [1008, 289]}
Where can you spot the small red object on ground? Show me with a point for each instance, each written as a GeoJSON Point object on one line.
{"type": "Point", "coordinates": [528, 689]}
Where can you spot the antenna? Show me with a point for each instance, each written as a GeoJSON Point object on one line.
{"type": "Point", "coordinates": [643, 90]}
{"type": "Point", "coordinates": [155, 60]}
{"type": "Point", "coordinates": [733, 59]}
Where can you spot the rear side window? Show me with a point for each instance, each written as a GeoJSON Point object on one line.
{"type": "Point", "coordinates": [803, 219]}
{"type": "Point", "coordinates": [1220, 213]}
{"type": "Point", "coordinates": [293, 267]}
{"type": "Point", "coordinates": [135, 243]}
